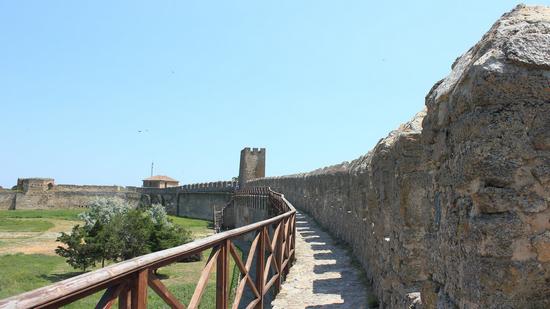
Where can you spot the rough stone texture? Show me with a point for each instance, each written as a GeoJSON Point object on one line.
{"type": "Point", "coordinates": [322, 276]}
{"type": "Point", "coordinates": [374, 204]}
{"type": "Point", "coordinates": [488, 132]}
{"type": "Point", "coordinates": [7, 199]}
{"type": "Point", "coordinates": [252, 164]}
{"type": "Point", "coordinates": [454, 204]}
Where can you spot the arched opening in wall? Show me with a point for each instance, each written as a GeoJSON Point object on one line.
{"type": "Point", "coordinates": [50, 186]}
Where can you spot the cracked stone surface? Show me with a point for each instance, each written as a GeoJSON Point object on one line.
{"type": "Point", "coordinates": [323, 276]}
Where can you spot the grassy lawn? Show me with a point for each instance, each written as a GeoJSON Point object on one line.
{"type": "Point", "coordinates": [66, 214]}
{"type": "Point", "coordinates": [196, 226]}
{"type": "Point", "coordinates": [26, 225]}
{"type": "Point", "coordinates": [25, 272]}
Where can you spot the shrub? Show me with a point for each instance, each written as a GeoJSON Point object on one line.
{"type": "Point", "coordinates": [103, 210]}
{"type": "Point", "coordinates": [135, 229]}
{"type": "Point", "coordinates": [157, 213]}
{"type": "Point", "coordinates": [78, 252]}
{"type": "Point", "coordinates": [114, 231]}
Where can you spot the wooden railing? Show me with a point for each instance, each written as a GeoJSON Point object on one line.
{"type": "Point", "coordinates": [272, 249]}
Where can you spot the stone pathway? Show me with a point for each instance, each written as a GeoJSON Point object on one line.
{"type": "Point", "coordinates": [322, 276]}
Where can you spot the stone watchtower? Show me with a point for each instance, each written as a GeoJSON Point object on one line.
{"type": "Point", "coordinates": [252, 164]}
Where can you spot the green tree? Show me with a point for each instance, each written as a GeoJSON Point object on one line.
{"type": "Point", "coordinates": [77, 251]}
{"type": "Point", "coordinates": [135, 228]}
{"type": "Point", "coordinates": [168, 236]}
{"type": "Point", "coordinates": [114, 231]}
{"type": "Point", "coordinates": [105, 242]}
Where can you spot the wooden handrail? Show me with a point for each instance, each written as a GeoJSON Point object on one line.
{"type": "Point", "coordinates": [132, 276]}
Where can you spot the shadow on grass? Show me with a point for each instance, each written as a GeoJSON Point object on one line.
{"type": "Point", "coordinates": [162, 276]}
{"type": "Point", "coordinates": [62, 276]}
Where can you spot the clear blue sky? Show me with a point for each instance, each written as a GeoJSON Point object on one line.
{"type": "Point", "coordinates": [315, 82]}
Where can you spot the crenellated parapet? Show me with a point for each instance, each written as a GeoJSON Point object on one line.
{"type": "Point", "coordinates": [214, 186]}
{"type": "Point", "coordinates": [211, 186]}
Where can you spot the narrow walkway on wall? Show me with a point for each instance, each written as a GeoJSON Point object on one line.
{"type": "Point", "coordinates": [322, 276]}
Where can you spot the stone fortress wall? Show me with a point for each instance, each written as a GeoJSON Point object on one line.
{"type": "Point", "coordinates": [192, 200]}
{"type": "Point", "coordinates": [43, 193]}
{"type": "Point", "coordinates": [453, 206]}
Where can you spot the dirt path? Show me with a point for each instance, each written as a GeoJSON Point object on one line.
{"type": "Point", "coordinates": [35, 242]}
{"type": "Point", "coordinates": [322, 276]}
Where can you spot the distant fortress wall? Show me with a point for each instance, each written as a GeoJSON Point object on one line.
{"type": "Point", "coordinates": [32, 196]}
{"type": "Point", "coordinates": [193, 200]}
{"type": "Point", "coordinates": [198, 200]}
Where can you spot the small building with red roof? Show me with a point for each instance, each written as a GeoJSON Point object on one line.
{"type": "Point", "coordinates": [159, 181]}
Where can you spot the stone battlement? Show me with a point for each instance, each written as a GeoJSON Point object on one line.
{"type": "Point", "coordinates": [253, 150]}
{"type": "Point", "coordinates": [225, 185]}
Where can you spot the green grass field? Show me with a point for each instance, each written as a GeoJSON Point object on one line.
{"type": "Point", "coordinates": [25, 272]}
{"type": "Point", "coordinates": [195, 226]}
{"type": "Point", "coordinates": [24, 225]}
{"type": "Point", "coordinates": [66, 214]}
{"type": "Point", "coordinates": [72, 214]}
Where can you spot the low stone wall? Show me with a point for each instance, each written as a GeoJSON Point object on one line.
{"type": "Point", "coordinates": [453, 206]}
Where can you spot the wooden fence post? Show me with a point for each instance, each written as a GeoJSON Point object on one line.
{"type": "Point", "coordinates": [124, 298]}
{"type": "Point", "coordinates": [221, 276]}
{"type": "Point", "coordinates": [139, 290]}
{"type": "Point", "coordinates": [279, 254]}
{"type": "Point", "coordinates": [260, 262]}
{"type": "Point", "coordinates": [293, 218]}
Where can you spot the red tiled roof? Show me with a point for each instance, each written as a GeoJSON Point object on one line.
{"type": "Point", "coordinates": [161, 177]}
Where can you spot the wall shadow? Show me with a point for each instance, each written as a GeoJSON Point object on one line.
{"type": "Point", "coordinates": [342, 277]}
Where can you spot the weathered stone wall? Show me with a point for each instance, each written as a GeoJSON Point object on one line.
{"type": "Point", "coordinates": [70, 199]}
{"type": "Point", "coordinates": [202, 205]}
{"type": "Point", "coordinates": [245, 210]}
{"type": "Point", "coordinates": [488, 137]}
{"type": "Point", "coordinates": [91, 188]}
{"type": "Point", "coordinates": [252, 164]}
{"type": "Point", "coordinates": [7, 199]}
{"type": "Point", "coordinates": [454, 204]}
{"type": "Point", "coordinates": [58, 197]}
{"type": "Point", "coordinates": [193, 200]}
{"type": "Point", "coordinates": [374, 204]}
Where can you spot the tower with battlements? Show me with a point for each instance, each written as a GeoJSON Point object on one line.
{"type": "Point", "coordinates": [252, 164]}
